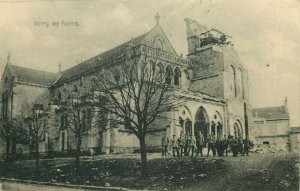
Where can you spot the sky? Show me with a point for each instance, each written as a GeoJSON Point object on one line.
{"type": "Point", "coordinates": [266, 36]}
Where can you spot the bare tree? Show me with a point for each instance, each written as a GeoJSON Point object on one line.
{"type": "Point", "coordinates": [77, 111]}
{"type": "Point", "coordinates": [37, 129]}
{"type": "Point", "coordinates": [14, 129]}
{"type": "Point", "coordinates": [136, 92]}
{"type": "Point", "coordinates": [11, 130]}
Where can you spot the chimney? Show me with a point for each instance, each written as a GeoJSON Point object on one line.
{"type": "Point", "coordinates": [286, 105]}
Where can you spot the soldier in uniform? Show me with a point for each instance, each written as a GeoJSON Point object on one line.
{"type": "Point", "coordinates": [211, 144]}
{"type": "Point", "coordinates": [200, 143]}
{"type": "Point", "coordinates": [247, 145]}
{"type": "Point", "coordinates": [240, 144]}
{"type": "Point", "coordinates": [193, 145]}
{"type": "Point", "coordinates": [233, 146]}
{"type": "Point", "coordinates": [225, 144]}
{"type": "Point", "coordinates": [181, 143]}
{"type": "Point", "coordinates": [219, 146]}
{"type": "Point", "coordinates": [188, 140]}
{"type": "Point", "coordinates": [174, 144]}
{"type": "Point", "coordinates": [164, 144]}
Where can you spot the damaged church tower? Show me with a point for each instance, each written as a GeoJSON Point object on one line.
{"type": "Point", "coordinates": [218, 72]}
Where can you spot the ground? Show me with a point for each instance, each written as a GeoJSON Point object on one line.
{"type": "Point", "coordinates": [273, 171]}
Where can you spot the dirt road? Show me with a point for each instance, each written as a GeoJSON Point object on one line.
{"type": "Point", "coordinates": [256, 172]}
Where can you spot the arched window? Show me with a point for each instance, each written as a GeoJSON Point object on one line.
{"type": "Point", "coordinates": [240, 84]}
{"type": "Point", "coordinates": [153, 67]}
{"type": "Point", "coordinates": [159, 72]}
{"type": "Point", "coordinates": [177, 76]}
{"type": "Point", "coordinates": [213, 128]}
{"type": "Point", "coordinates": [233, 80]}
{"type": "Point", "coordinates": [63, 121]}
{"type": "Point", "coordinates": [160, 67]}
{"type": "Point", "coordinates": [185, 80]}
{"type": "Point", "coordinates": [158, 44]}
{"type": "Point", "coordinates": [238, 129]}
{"type": "Point", "coordinates": [188, 126]}
{"type": "Point", "coordinates": [169, 75]}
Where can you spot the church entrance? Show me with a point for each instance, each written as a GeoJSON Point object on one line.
{"type": "Point", "coordinates": [238, 129]}
{"type": "Point", "coordinates": [201, 122]}
{"type": "Point", "coordinates": [188, 126]}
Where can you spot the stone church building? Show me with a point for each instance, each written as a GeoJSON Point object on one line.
{"type": "Point", "coordinates": [210, 79]}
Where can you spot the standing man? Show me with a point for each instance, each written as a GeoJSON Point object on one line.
{"type": "Point", "coordinates": [240, 144]}
{"type": "Point", "coordinates": [247, 145]}
{"type": "Point", "coordinates": [233, 146]}
{"type": "Point", "coordinates": [187, 144]}
{"type": "Point", "coordinates": [225, 144]}
{"type": "Point", "coordinates": [219, 146]}
{"type": "Point", "coordinates": [164, 144]}
{"type": "Point", "coordinates": [211, 145]}
{"type": "Point", "coordinates": [193, 145]}
{"type": "Point", "coordinates": [181, 144]}
{"type": "Point", "coordinates": [174, 146]}
{"type": "Point", "coordinates": [200, 143]}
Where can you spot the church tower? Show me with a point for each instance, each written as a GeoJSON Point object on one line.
{"type": "Point", "coordinates": [218, 72]}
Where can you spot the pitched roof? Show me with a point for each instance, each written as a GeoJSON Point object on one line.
{"type": "Point", "coordinates": [32, 76]}
{"type": "Point", "coordinates": [270, 113]}
{"type": "Point", "coordinates": [98, 61]}
{"type": "Point", "coordinates": [105, 58]}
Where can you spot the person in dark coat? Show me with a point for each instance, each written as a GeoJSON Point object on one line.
{"type": "Point", "coordinates": [193, 146]}
{"type": "Point", "coordinates": [187, 144]}
{"type": "Point", "coordinates": [219, 146]}
{"type": "Point", "coordinates": [211, 145]}
{"type": "Point", "coordinates": [181, 143]}
{"type": "Point", "coordinates": [174, 144]}
{"type": "Point", "coordinates": [225, 143]}
{"type": "Point", "coordinates": [200, 143]}
{"type": "Point", "coordinates": [164, 144]}
{"type": "Point", "coordinates": [240, 144]}
{"type": "Point", "coordinates": [233, 146]}
{"type": "Point", "coordinates": [247, 145]}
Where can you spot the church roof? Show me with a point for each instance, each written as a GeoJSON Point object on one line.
{"type": "Point", "coordinates": [271, 113]}
{"type": "Point", "coordinates": [32, 75]}
{"type": "Point", "coordinates": [96, 61]}
{"type": "Point", "coordinates": [105, 58]}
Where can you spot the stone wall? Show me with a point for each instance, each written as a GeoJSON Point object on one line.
{"type": "Point", "coordinates": [25, 95]}
{"type": "Point", "coordinates": [273, 143]}
{"type": "Point", "coordinates": [212, 86]}
{"type": "Point", "coordinates": [207, 68]}
{"type": "Point", "coordinates": [295, 142]}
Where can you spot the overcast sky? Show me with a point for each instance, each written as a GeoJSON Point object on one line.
{"type": "Point", "coordinates": [266, 36]}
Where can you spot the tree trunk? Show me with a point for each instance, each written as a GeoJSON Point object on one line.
{"type": "Point", "coordinates": [77, 158]}
{"type": "Point", "coordinates": [144, 166]}
{"type": "Point", "coordinates": [7, 146]}
{"type": "Point", "coordinates": [7, 158]}
{"type": "Point", "coordinates": [37, 157]}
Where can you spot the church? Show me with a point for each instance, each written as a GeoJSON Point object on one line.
{"type": "Point", "coordinates": [211, 80]}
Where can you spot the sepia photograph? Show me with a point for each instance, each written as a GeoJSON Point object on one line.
{"type": "Point", "coordinates": [149, 95]}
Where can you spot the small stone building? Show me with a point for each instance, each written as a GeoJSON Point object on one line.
{"type": "Point", "coordinates": [295, 139]}
{"type": "Point", "coordinates": [271, 127]}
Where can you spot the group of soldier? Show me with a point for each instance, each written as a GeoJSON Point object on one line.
{"type": "Point", "coordinates": [188, 145]}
